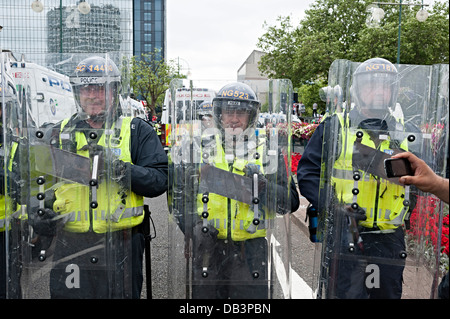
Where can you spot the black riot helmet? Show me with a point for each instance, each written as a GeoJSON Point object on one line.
{"type": "Point", "coordinates": [375, 75]}
{"type": "Point", "coordinates": [205, 114]}
{"type": "Point", "coordinates": [99, 72]}
{"type": "Point", "coordinates": [204, 109]}
{"type": "Point", "coordinates": [237, 97]}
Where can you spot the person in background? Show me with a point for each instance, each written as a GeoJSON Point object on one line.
{"type": "Point", "coordinates": [315, 106]}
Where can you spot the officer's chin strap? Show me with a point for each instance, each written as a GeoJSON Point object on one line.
{"type": "Point", "coordinates": [97, 118]}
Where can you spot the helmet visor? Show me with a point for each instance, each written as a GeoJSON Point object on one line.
{"type": "Point", "coordinates": [235, 116]}
{"type": "Point", "coordinates": [376, 91]}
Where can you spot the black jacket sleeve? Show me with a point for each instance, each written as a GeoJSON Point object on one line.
{"type": "Point", "coordinates": [283, 202]}
{"type": "Point", "coordinates": [295, 200]}
{"type": "Point", "coordinates": [308, 170]}
{"type": "Point", "coordinates": [150, 165]}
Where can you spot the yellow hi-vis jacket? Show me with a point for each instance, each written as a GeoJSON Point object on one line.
{"type": "Point", "coordinates": [114, 211]}
{"type": "Point", "coordinates": [230, 217]}
{"type": "Point", "coordinates": [5, 200]}
{"type": "Point", "coordinates": [381, 200]}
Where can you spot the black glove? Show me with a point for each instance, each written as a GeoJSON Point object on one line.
{"type": "Point", "coordinates": [205, 238]}
{"type": "Point", "coordinates": [43, 221]}
{"type": "Point", "coordinates": [121, 171]}
{"type": "Point", "coordinates": [266, 188]}
{"type": "Point", "coordinates": [358, 214]}
{"type": "Point", "coordinates": [250, 170]}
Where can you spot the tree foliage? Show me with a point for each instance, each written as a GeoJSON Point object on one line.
{"type": "Point", "coordinates": [150, 77]}
{"type": "Point", "coordinates": [336, 29]}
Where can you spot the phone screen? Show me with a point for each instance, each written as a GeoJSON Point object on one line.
{"type": "Point", "coordinates": [396, 167]}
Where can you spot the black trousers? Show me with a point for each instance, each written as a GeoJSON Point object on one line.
{"type": "Point", "coordinates": [9, 282]}
{"type": "Point", "coordinates": [235, 270]}
{"type": "Point", "coordinates": [374, 273]}
{"type": "Point", "coordinates": [105, 270]}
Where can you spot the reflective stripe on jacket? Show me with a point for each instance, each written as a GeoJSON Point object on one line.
{"type": "Point", "coordinates": [117, 209]}
{"type": "Point", "coordinates": [12, 206]}
{"type": "Point", "coordinates": [232, 218]}
{"type": "Point", "coordinates": [374, 193]}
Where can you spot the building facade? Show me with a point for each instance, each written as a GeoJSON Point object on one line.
{"type": "Point", "coordinates": [130, 27]}
{"type": "Point", "coordinates": [149, 26]}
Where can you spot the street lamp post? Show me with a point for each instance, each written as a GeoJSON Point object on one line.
{"type": "Point", "coordinates": [188, 67]}
{"type": "Point", "coordinates": [378, 14]}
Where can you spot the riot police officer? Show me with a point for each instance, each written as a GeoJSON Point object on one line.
{"type": "Point", "coordinates": [204, 114]}
{"type": "Point", "coordinates": [98, 226]}
{"type": "Point", "coordinates": [372, 226]}
{"type": "Point", "coordinates": [228, 228]}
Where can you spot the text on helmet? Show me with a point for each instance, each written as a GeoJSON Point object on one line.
{"type": "Point", "coordinates": [380, 66]}
{"type": "Point", "coordinates": [235, 93]}
{"type": "Point", "coordinates": [92, 67]}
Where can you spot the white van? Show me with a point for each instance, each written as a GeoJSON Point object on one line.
{"type": "Point", "coordinates": [185, 104]}
{"type": "Point", "coordinates": [132, 108]}
{"type": "Point", "coordinates": [49, 94]}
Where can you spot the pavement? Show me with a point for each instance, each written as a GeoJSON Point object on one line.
{"type": "Point", "coordinates": [298, 218]}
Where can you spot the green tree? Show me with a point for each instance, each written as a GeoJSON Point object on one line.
{"type": "Point", "coordinates": [422, 43]}
{"type": "Point", "coordinates": [309, 94]}
{"type": "Point", "coordinates": [336, 29]}
{"type": "Point", "coordinates": [279, 44]}
{"type": "Point", "coordinates": [150, 77]}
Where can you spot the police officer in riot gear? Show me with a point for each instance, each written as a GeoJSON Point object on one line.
{"type": "Point", "coordinates": [205, 114]}
{"type": "Point", "coordinates": [373, 224]}
{"type": "Point", "coordinates": [135, 165]}
{"type": "Point", "coordinates": [228, 233]}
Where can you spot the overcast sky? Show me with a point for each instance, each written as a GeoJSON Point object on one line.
{"type": "Point", "coordinates": [214, 37]}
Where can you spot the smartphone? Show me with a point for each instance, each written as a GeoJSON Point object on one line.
{"type": "Point", "coordinates": [396, 167]}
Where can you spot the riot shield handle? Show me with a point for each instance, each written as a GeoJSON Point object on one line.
{"type": "Point", "coordinates": [94, 181]}
{"type": "Point", "coordinates": [256, 218]}
{"type": "Point", "coordinates": [205, 214]}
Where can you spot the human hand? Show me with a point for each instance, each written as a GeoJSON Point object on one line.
{"type": "Point", "coordinates": [424, 177]}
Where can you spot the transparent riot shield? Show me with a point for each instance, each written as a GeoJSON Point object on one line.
{"type": "Point", "coordinates": [9, 196]}
{"type": "Point", "coordinates": [229, 191]}
{"type": "Point", "coordinates": [73, 235]}
{"type": "Point", "coordinates": [379, 238]}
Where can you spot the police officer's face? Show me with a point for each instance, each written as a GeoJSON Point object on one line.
{"type": "Point", "coordinates": [375, 97]}
{"type": "Point", "coordinates": [93, 99]}
{"type": "Point", "coordinates": [235, 120]}
{"type": "Point", "coordinates": [207, 121]}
